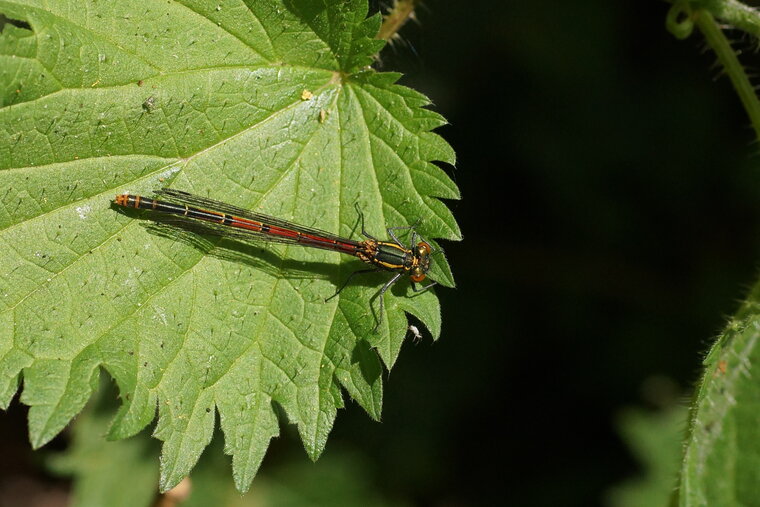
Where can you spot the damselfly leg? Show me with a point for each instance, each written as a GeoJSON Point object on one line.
{"type": "Point", "coordinates": [348, 279]}
{"type": "Point", "coordinates": [380, 294]}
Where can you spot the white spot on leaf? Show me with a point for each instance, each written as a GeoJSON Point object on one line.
{"type": "Point", "coordinates": [83, 211]}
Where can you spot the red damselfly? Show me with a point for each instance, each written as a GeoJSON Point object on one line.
{"type": "Point", "coordinates": [230, 221]}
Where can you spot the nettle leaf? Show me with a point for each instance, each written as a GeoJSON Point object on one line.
{"type": "Point", "coordinates": [267, 105]}
{"type": "Point", "coordinates": [721, 456]}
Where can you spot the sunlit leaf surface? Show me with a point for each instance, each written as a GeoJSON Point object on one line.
{"type": "Point", "coordinates": [267, 105]}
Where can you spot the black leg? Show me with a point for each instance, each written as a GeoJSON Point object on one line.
{"type": "Point", "coordinates": [423, 289]}
{"type": "Point", "coordinates": [404, 228]}
{"type": "Point", "coordinates": [349, 279]}
{"type": "Point", "coordinates": [361, 219]}
{"type": "Point", "coordinates": [393, 236]}
{"type": "Point", "coordinates": [380, 294]}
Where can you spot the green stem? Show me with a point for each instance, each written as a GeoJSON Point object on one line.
{"type": "Point", "coordinates": [732, 12]}
{"type": "Point", "coordinates": [728, 59]}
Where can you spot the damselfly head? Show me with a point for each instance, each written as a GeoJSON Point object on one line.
{"type": "Point", "coordinates": [422, 256]}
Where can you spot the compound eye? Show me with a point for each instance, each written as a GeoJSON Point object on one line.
{"type": "Point", "coordinates": [418, 277]}
{"type": "Point", "coordinates": [423, 248]}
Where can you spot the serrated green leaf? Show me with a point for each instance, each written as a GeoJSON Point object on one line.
{"type": "Point", "coordinates": [721, 458]}
{"type": "Point", "coordinates": [267, 105]}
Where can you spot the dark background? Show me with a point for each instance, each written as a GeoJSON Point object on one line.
{"type": "Point", "coordinates": [610, 189]}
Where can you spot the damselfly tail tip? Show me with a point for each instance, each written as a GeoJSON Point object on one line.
{"type": "Point", "coordinates": [121, 199]}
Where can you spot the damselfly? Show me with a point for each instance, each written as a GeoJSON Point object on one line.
{"type": "Point", "coordinates": [230, 221]}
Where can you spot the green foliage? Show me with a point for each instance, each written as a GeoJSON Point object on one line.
{"type": "Point", "coordinates": [125, 472]}
{"type": "Point", "coordinates": [267, 105]}
{"type": "Point", "coordinates": [722, 455]}
{"type": "Point", "coordinates": [119, 473]}
{"type": "Point", "coordinates": [655, 440]}
{"type": "Point", "coordinates": [340, 479]}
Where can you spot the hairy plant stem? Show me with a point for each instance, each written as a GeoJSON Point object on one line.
{"type": "Point", "coordinates": [399, 14]}
{"type": "Point", "coordinates": [732, 12]}
{"type": "Point", "coordinates": [728, 59]}
{"type": "Point", "coordinates": [685, 14]}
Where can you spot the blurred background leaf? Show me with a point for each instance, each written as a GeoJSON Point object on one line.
{"type": "Point", "coordinates": [115, 473]}
{"type": "Point", "coordinates": [655, 438]}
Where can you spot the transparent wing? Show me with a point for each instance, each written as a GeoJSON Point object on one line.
{"type": "Point", "coordinates": [246, 235]}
